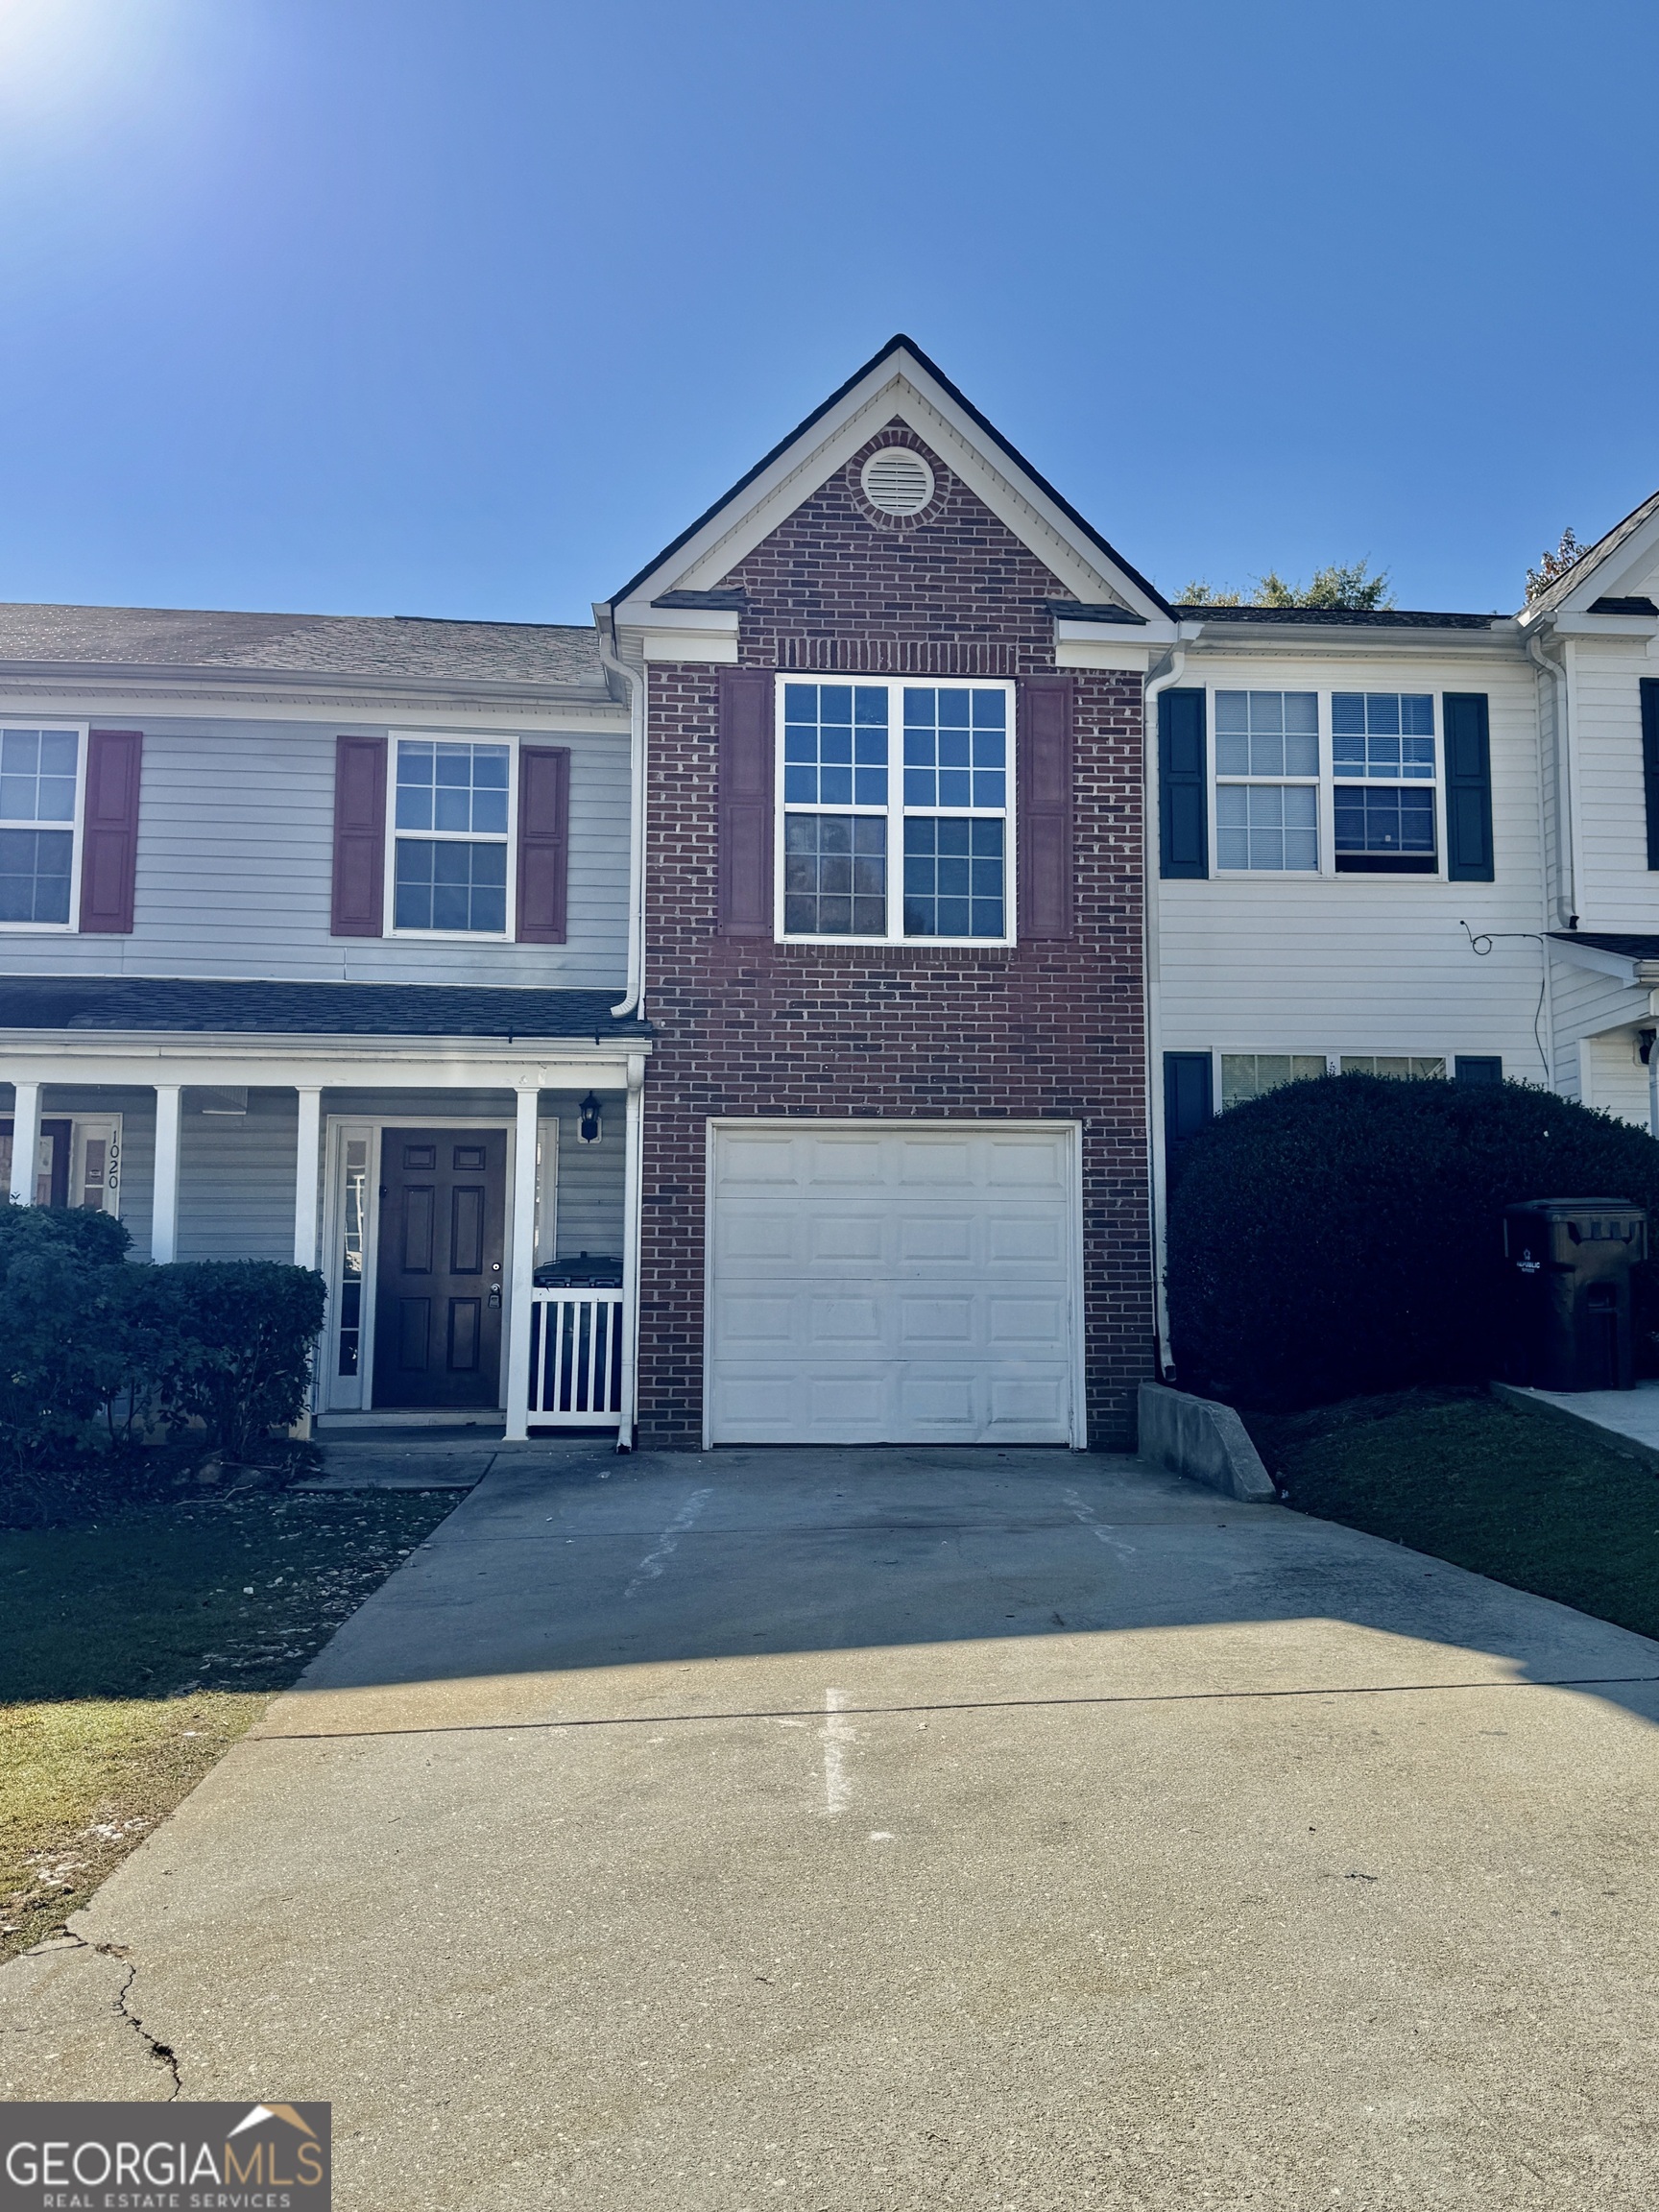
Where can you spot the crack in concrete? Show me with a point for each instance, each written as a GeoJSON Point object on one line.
{"type": "Point", "coordinates": [163, 2054]}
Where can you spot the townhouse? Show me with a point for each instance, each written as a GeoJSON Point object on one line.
{"type": "Point", "coordinates": [767, 1014]}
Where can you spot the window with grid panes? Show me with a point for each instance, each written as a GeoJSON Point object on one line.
{"type": "Point", "coordinates": [40, 777]}
{"type": "Point", "coordinates": [453, 874]}
{"type": "Point", "coordinates": [1383, 765]}
{"type": "Point", "coordinates": [895, 811]}
{"type": "Point", "coordinates": [1267, 780]}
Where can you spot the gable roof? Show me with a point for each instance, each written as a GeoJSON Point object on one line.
{"type": "Point", "coordinates": [1641, 522]}
{"type": "Point", "coordinates": [907, 369]}
{"type": "Point", "coordinates": [407, 647]}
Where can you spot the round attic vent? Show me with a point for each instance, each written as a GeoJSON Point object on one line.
{"type": "Point", "coordinates": [897, 481]}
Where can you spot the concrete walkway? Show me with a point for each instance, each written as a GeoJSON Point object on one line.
{"type": "Point", "coordinates": [881, 1831]}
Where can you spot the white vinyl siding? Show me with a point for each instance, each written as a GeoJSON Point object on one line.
{"type": "Point", "coordinates": [1618, 889]}
{"type": "Point", "coordinates": [235, 863]}
{"type": "Point", "coordinates": [1316, 964]}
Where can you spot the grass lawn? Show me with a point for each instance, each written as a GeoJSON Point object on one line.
{"type": "Point", "coordinates": [135, 1648]}
{"type": "Point", "coordinates": [1518, 1495]}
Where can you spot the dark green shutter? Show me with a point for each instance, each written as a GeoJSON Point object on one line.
{"type": "Point", "coordinates": [1468, 787]}
{"type": "Point", "coordinates": [1187, 1098]}
{"type": "Point", "coordinates": [1182, 798]}
{"type": "Point", "coordinates": [1650, 762]}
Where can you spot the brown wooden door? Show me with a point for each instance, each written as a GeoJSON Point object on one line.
{"type": "Point", "coordinates": [439, 1284]}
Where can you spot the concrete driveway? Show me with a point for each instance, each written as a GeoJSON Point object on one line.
{"type": "Point", "coordinates": [872, 1832]}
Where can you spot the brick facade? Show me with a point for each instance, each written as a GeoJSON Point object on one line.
{"type": "Point", "coordinates": [749, 1027]}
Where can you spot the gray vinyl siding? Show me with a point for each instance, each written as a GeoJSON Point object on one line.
{"type": "Point", "coordinates": [236, 1179]}
{"type": "Point", "coordinates": [590, 1181]}
{"type": "Point", "coordinates": [235, 863]}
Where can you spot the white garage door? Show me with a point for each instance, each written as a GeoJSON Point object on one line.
{"type": "Point", "coordinates": [891, 1284]}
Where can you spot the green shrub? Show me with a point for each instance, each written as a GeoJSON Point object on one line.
{"type": "Point", "coordinates": [234, 1339]}
{"type": "Point", "coordinates": [1345, 1236]}
{"type": "Point", "coordinates": [93, 1350]}
{"type": "Point", "coordinates": [60, 1280]}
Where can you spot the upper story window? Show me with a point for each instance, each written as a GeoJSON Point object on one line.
{"type": "Point", "coordinates": [40, 782]}
{"type": "Point", "coordinates": [896, 819]}
{"type": "Point", "coordinates": [1383, 761]}
{"type": "Point", "coordinates": [1267, 780]}
{"type": "Point", "coordinates": [450, 871]}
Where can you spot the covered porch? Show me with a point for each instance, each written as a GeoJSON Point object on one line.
{"type": "Point", "coordinates": [472, 1202]}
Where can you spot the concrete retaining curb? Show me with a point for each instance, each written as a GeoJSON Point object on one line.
{"type": "Point", "coordinates": [1548, 1403]}
{"type": "Point", "coordinates": [1203, 1440]}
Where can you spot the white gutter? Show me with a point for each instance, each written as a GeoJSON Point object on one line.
{"type": "Point", "coordinates": [1150, 954]}
{"type": "Point", "coordinates": [1566, 824]}
{"type": "Point", "coordinates": [632, 1002]}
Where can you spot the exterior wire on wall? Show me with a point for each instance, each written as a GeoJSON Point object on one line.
{"type": "Point", "coordinates": [1480, 943]}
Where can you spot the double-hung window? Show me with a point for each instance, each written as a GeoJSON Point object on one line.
{"type": "Point", "coordinates": [40, 782]}
{"type": "Point", "coordinates": [1267, 780]}
{"type": "Point", "coordinates": [896, 816]}
{"type": "Point", "coordinates": [1382, 759]}
{"type": "Point", "coordinates": [451, 837]}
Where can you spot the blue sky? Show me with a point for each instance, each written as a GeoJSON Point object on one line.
{"type": "Point", "coordinates": [468, 307]}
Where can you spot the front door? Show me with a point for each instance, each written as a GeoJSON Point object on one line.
{"type": "Point", "coordinates": [439, 1287]}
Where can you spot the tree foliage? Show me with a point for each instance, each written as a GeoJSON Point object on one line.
{"type": "Point", "coordinates": [1336, 586]}
{"type": "Point", "coordinates": [1553, 565]}
{"type": "Point", "coordinates": [1344, 1234]}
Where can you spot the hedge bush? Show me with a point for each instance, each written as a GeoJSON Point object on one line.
{"type": "Point", "coordinates": [1345, 1235]}
{"type": "Point", "coordinates": [95, 1349]}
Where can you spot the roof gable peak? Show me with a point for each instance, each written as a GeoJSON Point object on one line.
{"type": "Point", "coordinates": [900, 383]}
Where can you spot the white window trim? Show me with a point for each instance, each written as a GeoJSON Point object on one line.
{"type": "Point", "coordinates": [109, 1128]}
{"type": "Point", "coordinates": [505, 936]}
{"type": "Point", "coordinates": [72, 927]}
{"type": "Point", "coordinates": [1326, 784]}
{"type": "Point", "coordinates": [1448, 1057]}
{"type": "Point", "coordinates": [895, 810]}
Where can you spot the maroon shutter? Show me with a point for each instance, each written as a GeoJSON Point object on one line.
{"type": "Point", "coordinates": [544, 842]}
{"type": "Point", "coordinates": [359, 837]}
{"type": "Point", "coordinates": [1042, 776]}
{"type": "Point", "coordinates": [109, 840]}
{"type": "Point", "coordinates": [744, 785]}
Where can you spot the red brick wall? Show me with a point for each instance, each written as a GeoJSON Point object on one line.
{"type": "Point", "coordinates": [746, 1027]}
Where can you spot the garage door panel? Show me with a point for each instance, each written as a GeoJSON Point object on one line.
{"type": "Point", "coordinates": [856, 1160]}
{"type": "Point", "coordinates": [1016, 1236]}
{"type": "Point", "coordinates": [760, 1160]}
{"type": "Point", "coordinates": [934, 1164]}
{"type": "Point", "coordinates": [942, 1236]}
{"type": "Point", "coordinates": [939, 1402]}
{"type": "Point", "coordinates": [1024, 1321]}
{"type": "Point", "coordinates": [935, 1321]}
{"type": "Point", "coordinates": [838, 1321]}
{"type": "Point", "coordinates": [745, 1233]}
{"type": "Point", "coordinates": [855, 1236]}
{"type": "Point", "coordinates": [1024, 1165]}
{"type": "Point", "coordinates": [906, 1286]}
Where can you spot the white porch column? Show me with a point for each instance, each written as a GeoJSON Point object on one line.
{"type": "Point", "coordinates": [25, 1143]}
{"type": "Point", "coordinates": [529, 1096]}
{"type": "Point", "coordinates": [632, 1161]}
{"type": "Point", "coordinates": [164, 1205]}
{"type": "Point", "coordinates": [306, 1174]}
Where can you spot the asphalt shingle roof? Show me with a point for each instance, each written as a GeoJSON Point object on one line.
{"type": "Point", "coordinates": [1340, 618]}
{"type": "Point", "coordinates": [306, 1009]}
{"type": "Point", "coordinates": [555, 653]}
{"type": "Point", "coordinates": [1592, 557]}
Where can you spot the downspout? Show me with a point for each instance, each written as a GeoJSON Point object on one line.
{"type": "Point", "coordinates": [632, 998]}
{"type": "Point", "coordinates": [633, 1001]}
{"type": "Point", "coordinates": [1150, 954]}
{"type": "Point", "coordinates": [633, 1165]}
{"type": "Point", "coordinates": [1566, 822]}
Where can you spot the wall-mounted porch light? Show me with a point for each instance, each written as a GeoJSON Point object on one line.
{"type": "Point", "coordinates": [589, 1128]}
